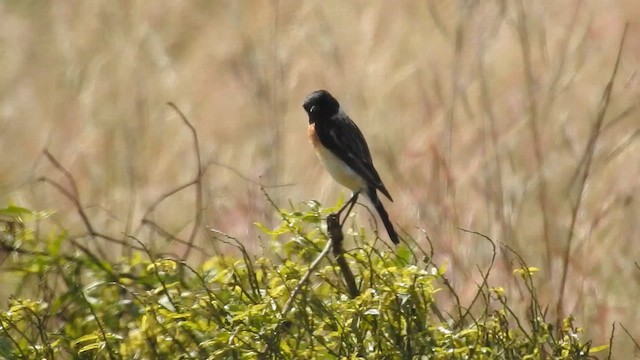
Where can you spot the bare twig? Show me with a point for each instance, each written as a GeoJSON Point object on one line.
{"type": "Point", "coordinates": [533, 122]}
{"type": "Point", "coordinates": [631, 337]}
{"type": "Point", "coordinates": [487, 105]}
{"type": "Point", "coordinates": [74, 196]}
{"type": "Point", "coordinates": [613, 331]}
{"type": "Point", "coordinates": [304, 279]}
{"type": "Point", "coordinates": [197, 181]}
{"type": "Point", "coordinates": [163, 197]}
{"type": "Point", "coordinates": [485, 276]}
{"type": "Point", "coordinates": [168, 235]}
{"type": "Point", "coordinates": [336, 236]}
{"type": "Point", "coordinates": [585, 165]}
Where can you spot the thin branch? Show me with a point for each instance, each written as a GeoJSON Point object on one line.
{"type": "Point", "coordinates": [586, 165]}
{"type": "Point", "coordinates": [64, 171]}
{"type": "Point", "coordinates": [613, 331]}
{"type": "Point", "coordinates": [304, 279]}
{"type": "Point", "coordinates": [161, 198]}
{"type": "Point", "coordinates": [533, 122]}
{"type": "Point", "coordinates": [485, 276]}
{"type": "Point", "coordinates": [630, 337]}
{"type": "Point", "coordinates": [74, 197]}
{"type": "Point", "coordinates": [336, 236]}
{"type": "Point", "coordinates": [198, 181]}
{"type": "Point", "coordinates": [168, 235]}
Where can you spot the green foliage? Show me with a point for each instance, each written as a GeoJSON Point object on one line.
{"type": "Point", "coordinates": [152, 307]}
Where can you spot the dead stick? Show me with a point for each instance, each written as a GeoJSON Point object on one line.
{"type": "Point", "coordinates": [336, 236]}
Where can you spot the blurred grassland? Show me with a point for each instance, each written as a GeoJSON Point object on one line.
{"type": "Point", "coordinates": [478, 114]}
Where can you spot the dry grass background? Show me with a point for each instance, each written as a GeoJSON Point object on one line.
{"type": "Point", "coordinates": [478, 113]}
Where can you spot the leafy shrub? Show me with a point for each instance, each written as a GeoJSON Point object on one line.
{"type": "Point", "coordinates": [75, 304]}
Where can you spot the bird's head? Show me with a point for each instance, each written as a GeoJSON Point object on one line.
{"type": "Point", "coordinates": [320, 105]}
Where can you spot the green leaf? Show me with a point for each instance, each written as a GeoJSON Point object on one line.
{"type": "Point", "coordinates": [403, 255]}
{"type": "Point", "coordinates": [275, 232]}
{"type": "Point", "coordinates": [15, 211]}
{"type": "Point", "coordinates": [85, 338]}
{"type": "Point", "coordinates": [442, 269]}
{"type": "Point", "coordinates": [96, 346]}
{"type": "Point", "coordinates": [598, 348]}
{"type": "Point", "coordinates": [55, 244]}
{"type": "Point", "coordinates": [5, 348]}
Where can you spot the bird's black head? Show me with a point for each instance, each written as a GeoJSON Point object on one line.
{"type": "Point", "coordinates": [320, 105]}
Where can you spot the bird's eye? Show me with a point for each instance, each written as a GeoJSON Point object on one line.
{"type": "Point", "coordinates": [312, 108]}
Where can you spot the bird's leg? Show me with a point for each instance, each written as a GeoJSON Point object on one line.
{"type": "Point", "coordinates": [350, 203]}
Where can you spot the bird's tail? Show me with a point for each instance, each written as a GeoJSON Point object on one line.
{"type": "Point", "coordinates": [375, 200]}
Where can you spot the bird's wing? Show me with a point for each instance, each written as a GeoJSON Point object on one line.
{"type": "Point", "coordinates": [345, 140]}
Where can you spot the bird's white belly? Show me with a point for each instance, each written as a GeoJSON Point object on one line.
{"type": "Point", "coordinates": [342, 173]}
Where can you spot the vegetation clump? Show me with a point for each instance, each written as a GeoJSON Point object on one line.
{"type": "Point", "coordinates": [74, 303]}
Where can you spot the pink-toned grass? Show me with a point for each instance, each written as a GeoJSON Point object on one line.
{"type": "Point", "coordinates": [478, 114]}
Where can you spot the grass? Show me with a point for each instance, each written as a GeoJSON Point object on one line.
{"type": "Point", "coordinates": [487, 116]}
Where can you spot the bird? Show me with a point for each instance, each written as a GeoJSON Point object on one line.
{"type": "Point", "coordinates": [343, 150]}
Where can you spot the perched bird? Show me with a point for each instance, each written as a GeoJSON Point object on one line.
{"type": "Point", "coordinates": [343, 151]}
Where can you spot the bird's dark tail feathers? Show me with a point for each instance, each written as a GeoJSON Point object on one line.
{"type": "Point", "coordinates": [375, 200]}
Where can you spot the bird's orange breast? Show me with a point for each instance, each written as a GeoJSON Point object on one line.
{"type": "Point", "coordinates": [313, 136]}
